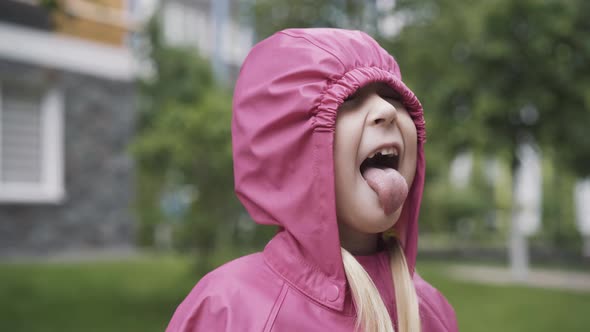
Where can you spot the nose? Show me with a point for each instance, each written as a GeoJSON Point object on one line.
{"type": "Point", "coordinates": [382, 111]}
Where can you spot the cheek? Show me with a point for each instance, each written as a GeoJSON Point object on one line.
{"type": "Point", "coordinates": [411, 152]}
{"type": "Point", "coordinates": [346, 143]}
{"type": "Point", "coordinates": [409, 170]}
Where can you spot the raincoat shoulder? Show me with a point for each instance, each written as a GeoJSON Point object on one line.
{"type": "Point", "coordinates": [238, 296]}
{"type": "Point", "coordinates": [436, 312]}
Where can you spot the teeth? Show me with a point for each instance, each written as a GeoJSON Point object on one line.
{"type": "Point", "coordinates": [386, 152]}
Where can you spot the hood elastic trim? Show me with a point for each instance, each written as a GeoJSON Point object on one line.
{"type": "Point", "coordinates": [341, 88]}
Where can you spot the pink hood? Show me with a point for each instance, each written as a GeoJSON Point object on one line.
{"type": "Point", "coordinates": [285, 103]}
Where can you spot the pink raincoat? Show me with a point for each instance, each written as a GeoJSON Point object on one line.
{"type": "Point", "coordinates": [284, 112]}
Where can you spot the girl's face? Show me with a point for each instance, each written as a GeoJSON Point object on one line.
{"type": "Point", "coordinates": [371, 120]}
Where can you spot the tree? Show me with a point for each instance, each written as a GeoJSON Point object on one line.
{"type": "Point", "coordinates": [274, 15]}
{"type": "Point", "coordinates": [184, 141]}
{"type": "Point", "coordinates": [495, 73]}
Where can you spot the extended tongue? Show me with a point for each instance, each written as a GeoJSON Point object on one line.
{"type": "Point", "coordinates": [390, 186]}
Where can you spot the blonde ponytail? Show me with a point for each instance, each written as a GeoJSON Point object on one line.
{"type": "Point", "coordinates": [372, 315]}
{"type": "Point", "coordinates": [408, 313]}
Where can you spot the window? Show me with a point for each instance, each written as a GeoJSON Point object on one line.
{"type": "Point", "coordinates": [31, 144]}
{"type": "Point", "coordinates": [184, 25]}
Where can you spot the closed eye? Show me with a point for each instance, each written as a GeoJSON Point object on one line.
{"type": "Point", "coordinates": [351, 97]}
{"type": "Point", "coordinates": [388, 93]}
{"type": "Point", "coordinates": [395, 101]}
{"type": "Point", "coordinates": [391, 97]}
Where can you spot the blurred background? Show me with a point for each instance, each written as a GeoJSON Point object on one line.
{"type": "Point", "coordinates": [116, 186]}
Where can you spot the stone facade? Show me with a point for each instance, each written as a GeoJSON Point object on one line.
{"type": "Point", "coordinates": [96, 214]}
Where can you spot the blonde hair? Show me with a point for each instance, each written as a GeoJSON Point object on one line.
{"type": "Point", "coordinates": [372, 315]}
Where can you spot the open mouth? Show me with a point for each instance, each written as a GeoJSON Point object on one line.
{"type": "Point", "coordinates": [380, 171]}
{"type": "Point", "coordinates": [382, 159]}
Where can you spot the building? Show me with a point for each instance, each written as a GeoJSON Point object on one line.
{"type": "Point", "coordinates": [217, 29]}
{"type": "Point", "coordinates": [67, 114]}
{"type": "Point", "coordinates": [68, 110]}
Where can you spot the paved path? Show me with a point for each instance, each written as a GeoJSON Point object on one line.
{"type": "Point", "coordinates": [543, 278]}
{"type": "Point", "coordinates": [75, 256]}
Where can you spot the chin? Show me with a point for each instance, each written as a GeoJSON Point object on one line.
{"type": "Point", "coordinates": [374, 223]}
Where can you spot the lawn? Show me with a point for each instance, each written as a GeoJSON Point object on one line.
{"type": "Point", "coordinates": [141, 294]}
{"type": "Point", "coordinates": [138, 295]}
{"type": "Point", "coordinates": [490, 308]}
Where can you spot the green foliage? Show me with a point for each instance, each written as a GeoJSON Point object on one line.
{"type": "Point", "coordinates": [493, 73]}
{"type": "Point", "coordinates": [559, 228]}
{"type": "Point", "coordinates": [274, 15]}
{"type": "Point", "coordinates": [184, 142]}
{"type": "Point", "coordinates": [50, 4]}
{"type": "Point", "coordinates": [455, 206]}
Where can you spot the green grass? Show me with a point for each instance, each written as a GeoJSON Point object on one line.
{"type": "Point", "coordinates": [141, 295]}
{"type": "Point", "coordinates": [138, 295]}
{"type": "Point", "coordinates": [490, 308]}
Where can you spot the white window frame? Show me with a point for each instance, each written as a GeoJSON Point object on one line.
{"type": "Point", "coordinates": [51, 187]}
{"type": "Point", "coordinates": [51, 50]}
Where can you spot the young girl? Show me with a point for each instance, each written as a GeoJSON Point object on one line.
{"type": "Point", "coordinates": [328, 145]}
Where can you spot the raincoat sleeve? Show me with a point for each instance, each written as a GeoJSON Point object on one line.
{"type": "Point", "coordinates": [238, 296]}
{"type": "Point", "coordinates": [204, 309]}
{"type": "Point", "coordinates": [435, 311]}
